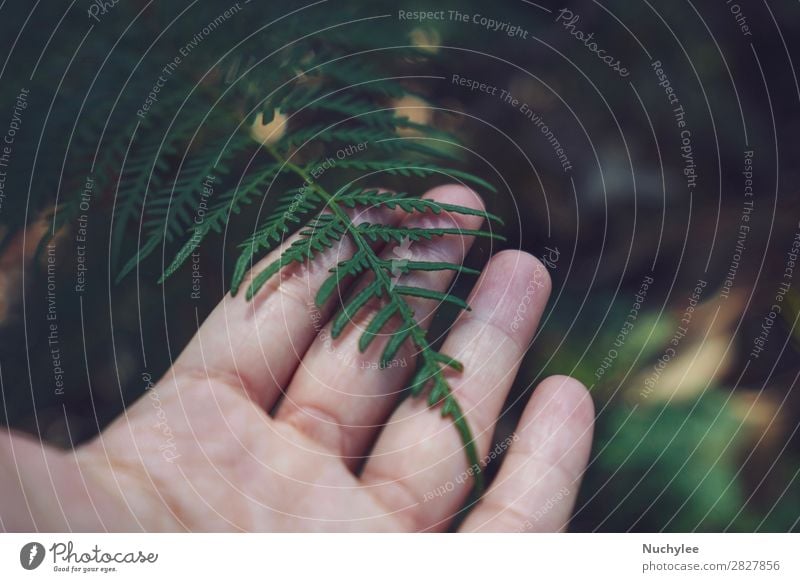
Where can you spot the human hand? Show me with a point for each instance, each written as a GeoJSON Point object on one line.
{"type": "Point", "coordinates": [265, 424]}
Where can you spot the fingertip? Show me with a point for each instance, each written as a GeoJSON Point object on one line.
{"type": "Point", "coordinates": [515, 263]}
{"type": "Point", "coordinates": [545, 464]}
{"type": "Point", "coordinates": [568, 386]}
{"type": "Point", "coordinates": [561, 414]}
{"type": "Point", "coordinates": [571, 397]}
{"type": "Point", "coordinates": [457, 194]}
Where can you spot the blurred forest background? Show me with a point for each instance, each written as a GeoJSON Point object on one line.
{"type": "Point", "coordinates": [694, 432]}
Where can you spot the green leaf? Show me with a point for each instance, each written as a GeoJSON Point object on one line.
{"type": "Point", "coordinates": [393, 346]}
{"type": "Point", "coordinates": [320, 235]}
{"type": "Point", "coordinates": [436, 266]}
{"type": "Point", "coordinates": [448, 361]}
{"type": "Point", "coordinates": [184, 252]}
{"type": "Point", "coordinates": [277, 226]}
{"type": "Point", "coordinates": [431, 294]}
{"type": "Point", "coordinates": [331, 101]}
{"type": "Point", "coordinates": [387, 233]}
{"type": "Point", "coordinates": [391, 200]}
{"type": "Point", "coordinates": [376, 325]}
{"type": "Point", "coordinates": [350, 267]}
{"type": "Point", "coordinates": [420, 170]}
{"type": "Point", "coordinates": [149, 246]}
{"type": "Point", "coordinates": [350, 309]}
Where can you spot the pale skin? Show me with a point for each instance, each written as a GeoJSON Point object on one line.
{"type": "Point", "coordinates": [265, 424]}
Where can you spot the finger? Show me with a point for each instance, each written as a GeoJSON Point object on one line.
{"type": "Point", "coordinates": [538, 482]}
{"type": "Point", "coordinates": [341, 396]}
{"type": "Point", "coordinates": [256, 345]}
{"type": "Point", "coordinates": [419, 467]}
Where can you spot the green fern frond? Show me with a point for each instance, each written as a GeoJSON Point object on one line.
{"type": "Point", "coordinates": [387, 233]}
{"type": "Point", "coordinates": [336, 134]}
{"type": "Point", "coordinates": [320, 234]}
{"type": "Point", "coordinates": [349, 309]}
{"type": "Point", "coordinates": [349, 72]}
{"type": "Point", "coordinates": [391, 200]}
{"type": "Point", "coordinates": [179, 199]}
{"type": "Point", "coordinates": [334, 99]}
{"type": "Point", "coordinates": [430, 294]}
{"type": "Point", "coordinates": [281, 223]}
{"type": "Point", "coordinates": [339, 88]}
{"type": "Point", "coordinates": [143, 170]}
{"type": "Point", "coordinates": [329, 228]}
{"type": "Point", "coordinates": [363, 110]}
{"type": "Point", "coordinates": [380, 139]}
{"type": "Point", "coordinates": [418, 170]}
{"type": "Point", "coordinates": [349, 268]}
{"type": "Point", "coordinates": [171, 211]}
{"type": "Point", "coordinates": [217, 217]}
{"type": "Point", "coordinates": [406, 266]}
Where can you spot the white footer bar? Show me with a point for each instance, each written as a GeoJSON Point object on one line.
{"type": "Point", "coordinates": [362, 557]}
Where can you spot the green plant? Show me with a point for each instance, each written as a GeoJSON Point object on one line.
{"type": "Point", "coordinates": [184, 168]}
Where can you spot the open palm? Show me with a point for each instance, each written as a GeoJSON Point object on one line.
{"type": "Point", "coordinates": [266, 424]}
